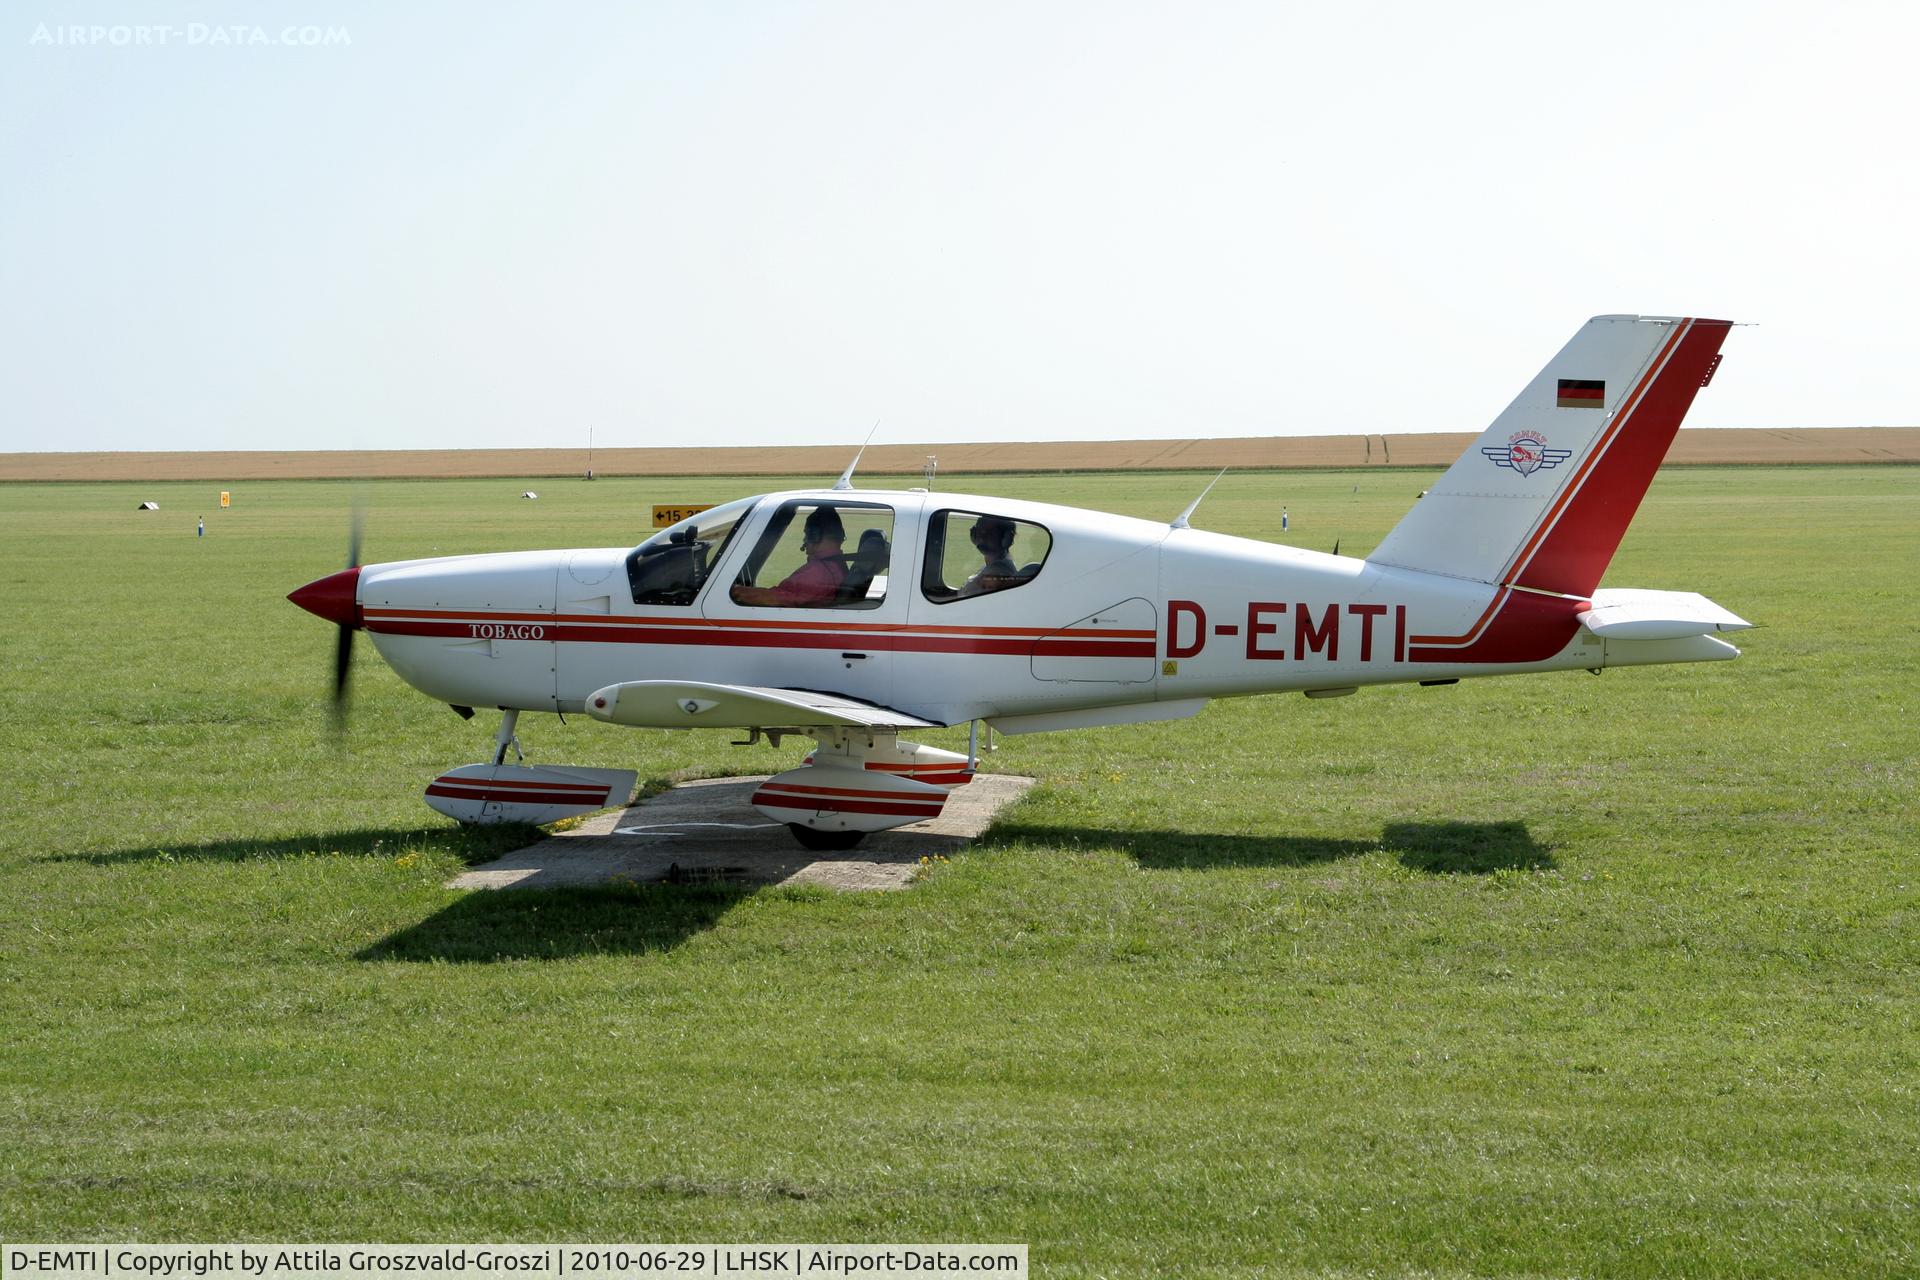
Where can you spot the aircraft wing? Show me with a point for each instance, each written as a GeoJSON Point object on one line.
{"type": "Point", "coordinates": [688, 704]}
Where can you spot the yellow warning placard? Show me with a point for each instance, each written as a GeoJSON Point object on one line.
{"type": "Point", "coordinates": [226, 498]}
{"type": "Point", "coordinates": [664, 516]}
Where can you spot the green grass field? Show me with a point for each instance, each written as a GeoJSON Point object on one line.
{"type": "Point", "coordinates": [1555, 975]}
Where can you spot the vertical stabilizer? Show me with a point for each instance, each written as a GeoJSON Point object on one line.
{"type": "Point", "coordinates": [1543, 497]}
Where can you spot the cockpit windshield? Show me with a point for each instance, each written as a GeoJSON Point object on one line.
{"type": "Point", "coordinates": [672, 565]}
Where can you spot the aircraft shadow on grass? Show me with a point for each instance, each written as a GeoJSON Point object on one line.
{"type": "Point", "coordinates": [471, 843]}
{"type": "Point", "coordinates": [1467, 848]}
{"type": "Point", "coordinates": [557, 923]}
{"type": "Point", "coordinates": [1441, 848]}
{"type": "Point", "coordinates": [490, 925]}
{"type": "Point", "coordinates": [1473, 848]}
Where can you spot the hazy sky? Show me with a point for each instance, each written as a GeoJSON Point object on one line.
{"type": "Point", "coordinates": [455, 225]}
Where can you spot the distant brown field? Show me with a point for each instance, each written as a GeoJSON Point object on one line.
{"type": "Point", "coordinates": [1716, 447]}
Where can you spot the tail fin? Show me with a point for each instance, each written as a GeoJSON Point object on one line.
{"type": "Point", "coordinates": [1543, 498]}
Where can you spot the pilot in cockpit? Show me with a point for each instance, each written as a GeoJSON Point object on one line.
{"type": "Point", "coordinates": [817, 582]}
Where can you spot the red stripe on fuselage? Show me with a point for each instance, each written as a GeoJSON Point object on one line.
{"type": "Point", "coordinates": [1479, 624]}
{"type": "Point", "coordinates": [827, 622]}
{"type": "Point", "coordinates": [1066, 644]}
{"type": "Point", "coordinates": [1528, 628]}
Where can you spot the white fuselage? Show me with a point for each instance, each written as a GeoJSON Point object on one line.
{"type": "Point", "coordinates": [1122, 611]}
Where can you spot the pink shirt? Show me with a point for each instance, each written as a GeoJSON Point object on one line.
{"type": "Point", "coordinates": [815, 582]}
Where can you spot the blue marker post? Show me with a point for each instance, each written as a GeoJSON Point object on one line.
{"type": "Point", "coordinates": [203, 527]}
{"type": "Point", "coordinates": [1283, 519]}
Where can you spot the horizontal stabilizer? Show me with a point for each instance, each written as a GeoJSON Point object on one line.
{"type": "Point", "coordinates": [1645, 653]}
{"type": "Point", "coordinates": [1619, 614]}
{"type": "Point", "coordinates": [690, 704]}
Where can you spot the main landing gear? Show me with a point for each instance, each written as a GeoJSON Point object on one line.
{"type": "Point", "coordinates": [859, 780]}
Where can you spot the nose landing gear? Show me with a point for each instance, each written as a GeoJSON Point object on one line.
{"type": "Point", "coordinates": [484, 794]}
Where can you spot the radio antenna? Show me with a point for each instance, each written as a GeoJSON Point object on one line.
{"type": "Point", "coordinates": [845, 481]}
{"type": "Point", "coordinates": [1180, 521]}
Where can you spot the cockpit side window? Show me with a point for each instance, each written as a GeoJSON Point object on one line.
{"type": "Point", "coordinates": [820, 555]}
{"type": "Point", "coordinates": [670, 567]}
{"type": "Point", "coordinates": [973, 553]}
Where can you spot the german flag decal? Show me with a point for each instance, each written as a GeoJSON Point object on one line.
{"type": "Point", "coordinates": [1581, 393]}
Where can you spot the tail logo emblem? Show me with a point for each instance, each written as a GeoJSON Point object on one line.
{"type": "Point", "coordinates": [1527, 452]}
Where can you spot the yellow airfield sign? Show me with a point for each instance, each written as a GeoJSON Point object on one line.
{"type": "Point", "coordinates": [664, 516]}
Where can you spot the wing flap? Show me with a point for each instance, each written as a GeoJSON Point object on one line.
{"type": "Point", "coordinates": [691, 704]}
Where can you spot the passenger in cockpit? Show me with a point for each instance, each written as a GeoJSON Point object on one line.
{"type": "Point", "coordinates": [993, 539]}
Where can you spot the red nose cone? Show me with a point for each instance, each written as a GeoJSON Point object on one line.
{"type": "Point", "coordinates": [332, 597]}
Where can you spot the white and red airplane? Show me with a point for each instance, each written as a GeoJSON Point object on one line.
{"type": "Point", "coordinates": [856, 616]}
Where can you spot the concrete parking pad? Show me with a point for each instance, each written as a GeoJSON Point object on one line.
{"type": "Point", "coordinates": [707, 831]}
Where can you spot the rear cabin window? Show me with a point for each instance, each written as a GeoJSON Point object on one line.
{"type": "Point", "coordinates": [671, 566]}
{"type": "Point", "coordinates": [974, 553]}
{"type": "Point", "coordinates": [820, 555]}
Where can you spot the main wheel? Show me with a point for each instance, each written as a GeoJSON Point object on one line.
{"type": "Point", "coordinates": [810, 838]}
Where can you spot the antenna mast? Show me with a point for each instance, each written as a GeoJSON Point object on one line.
{"type": "Point", "coordinates": [1180, 521]}
{"type": "Point", "coordinates": [846, 477]}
